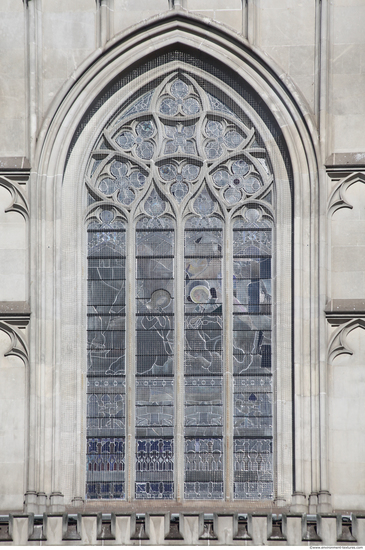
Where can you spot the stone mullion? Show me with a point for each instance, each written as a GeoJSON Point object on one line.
{"type": "Point", "coordinates": [228, 359]}
{"type": "Point", "coordinates": [179, 363]}
{"type": "Point", "coordinates": [251, 21]}
{"type": "Point", "coordinates": [35, 236]}
{"type": "Point", "coordinates": [130, 365]}
{"type": "Point", "coordinates": [244, 18]}
{"type": "Point", "coordinates": [104, 22]}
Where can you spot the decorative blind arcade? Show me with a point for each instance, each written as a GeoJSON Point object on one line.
{"type": "Point", "coordinates": [181, 188]}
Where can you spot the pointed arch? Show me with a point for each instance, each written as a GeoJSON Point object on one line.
{"type": "Point", "coordinates": [70, 128]}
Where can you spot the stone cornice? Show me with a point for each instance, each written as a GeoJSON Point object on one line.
{"type": "Point", "coordinates": [15, 313]}
{"type": "Point", "coordinates": [341, 165]}
{"type": "Point", "coordinates": [15, 168]}
{"type": "Point", "coordinates": [340, 311]}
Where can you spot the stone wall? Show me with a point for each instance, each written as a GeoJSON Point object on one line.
{"type": "Point", "coordinates": [321, 50]}
{"type": "Point", "coordinates": [316, 50]}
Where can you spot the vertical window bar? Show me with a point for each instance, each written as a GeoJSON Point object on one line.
{"type": "Point", "coordinates": [203, 359]}
{"type": "Point", "coordinates": [155, 250]}
{"type": "Point", "coordinates": [106, 358]}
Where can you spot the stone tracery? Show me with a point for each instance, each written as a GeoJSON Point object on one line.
{"type": "Point", "coordinates": [191, 136]}
{"type": "Point", "coordinates": [176, 143]}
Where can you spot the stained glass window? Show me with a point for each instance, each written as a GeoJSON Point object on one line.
{"type": "Point", "coordinates": [155, 251]}
{"type": "Point", "coordinates": [180, 243]}
{"type": "Point", "coordinates": [106, 357]}
{"type": "Point", "coordinates": [203, 352]}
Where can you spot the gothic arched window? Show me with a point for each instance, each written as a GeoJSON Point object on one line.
{"type": "Point", "coordinates": [180, 238]}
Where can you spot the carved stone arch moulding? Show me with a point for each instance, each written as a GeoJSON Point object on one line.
{"type": "Point", "coordinates": [65, 138]}
{"type": "Point", "coordinates": [337, 197]}
{"type": "Point", "coordinates": [338, 344]}
{"type": "Point", "coordinates": [18, 345]}
{"type": "Point", "coordinates": [19, 200]}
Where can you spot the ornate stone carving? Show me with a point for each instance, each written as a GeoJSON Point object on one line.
{"type": "Point", "coordinates": [337, 198]}
{"type": "Point", "coordinates": [338, 344]}
{"type": "Point", "coordinates": [346, 315]}
{"type": "Point", "coordinates": [18, 345]}
{"type": "Point", "coordinates": [13, 317]}
{"type": "Point", "coordinates": [178, 139]}
{"type": "Point", "coordinates": [19, 201]}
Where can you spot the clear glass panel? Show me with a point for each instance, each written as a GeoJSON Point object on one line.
{"type": "Point", "coordinates": [155, 250]}
{"type": "Point", "coordinates": [203, 359]}
{"type": "Point", "coordinates": [106, 358]}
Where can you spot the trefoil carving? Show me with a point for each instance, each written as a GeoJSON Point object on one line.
{"type": "Point", "coordinates": [338, 198]}
{"type": "Point", "coordinates": [18, 345]}
{"type": "Point", "coordinates": [19, 201]}
{"type": "Point", "coordinates": [179, 139]}
{"type": "Point", "coordinates": [338, 344]}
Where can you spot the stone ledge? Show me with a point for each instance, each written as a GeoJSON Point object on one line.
{"type": "Point", "coordinates": [340, 165]}
{"type": "Point", "coordinates": [339, 311]}
{"type": "Point", "coordinates": [15, 313]}
{"type": "Point", "coordinates": [14, 163]}
{"type": "Point", "coordinates": [345, 159]}
{"type": "Point", "coordinates": [15, 168]}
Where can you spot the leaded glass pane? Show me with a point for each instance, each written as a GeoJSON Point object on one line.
{"type": "Point", "coordinates": [106, 358]}
{"type": "Point", "coordinates": [252, 397]}
{"type": "Point", "coordinates": [203, 358]}
{"type": "Point", "coordinates": [179, 160]}
{"type": "Point", "coordinates": [155, 250]}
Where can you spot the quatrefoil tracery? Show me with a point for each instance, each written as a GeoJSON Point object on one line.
{"type": "Point", "coordinates": [184, 140]}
